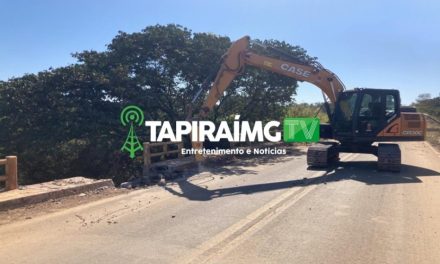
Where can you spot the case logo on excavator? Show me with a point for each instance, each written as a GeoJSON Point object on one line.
{"type": "Point", "coordinates": [412, 133]}
{"type": "Point", "coordinates": [296, 70]}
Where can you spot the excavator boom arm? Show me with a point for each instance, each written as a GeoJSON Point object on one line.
{"type": "Point", "coordinates": [239, 55]}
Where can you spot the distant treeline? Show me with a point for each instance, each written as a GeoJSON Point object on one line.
{"type": "Point", "coordinates": [425, 103]}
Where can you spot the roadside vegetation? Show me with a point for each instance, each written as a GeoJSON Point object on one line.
{"type": "Point", "coordinates": [64, 121]}
{"type": "Point", "coordinates": [430, 106]}
{"type": "Point", "coordinates": [307, 110]}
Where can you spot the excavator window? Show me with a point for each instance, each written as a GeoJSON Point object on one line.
{"type": "Point", "coordinates": [344, 112]}
{"type": "Point", "coordinates": [391, 105]}
{"type": "Point", "coordinates": [370, 113]}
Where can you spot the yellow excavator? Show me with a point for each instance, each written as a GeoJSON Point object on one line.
{"type": "Point", "coordinates": [357, 118]}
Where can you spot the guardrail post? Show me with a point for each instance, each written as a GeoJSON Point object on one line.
{"type": "Point", "coordinates": [179, 148]}
{"type": "Point", "coordinates": [147, 162]}
{"type": "Point", "coordinates": [11, 173]}
{"type": "Point", "coordinates": [165, 151]}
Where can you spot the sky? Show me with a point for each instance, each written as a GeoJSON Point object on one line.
{"type": "Point", "coordinates": [375, 44]}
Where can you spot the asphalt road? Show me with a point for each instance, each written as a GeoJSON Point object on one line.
{"type": "Point", "coordinates": [270, 210]}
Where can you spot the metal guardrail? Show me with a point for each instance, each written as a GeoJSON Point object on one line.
{"type": "Point", "coordinates": [10, 178]}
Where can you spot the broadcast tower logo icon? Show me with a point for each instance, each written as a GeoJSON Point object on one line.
{"type": "Point", "coordinates": [132, 115]}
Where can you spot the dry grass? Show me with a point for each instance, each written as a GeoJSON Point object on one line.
{"type": "Point", "coordinates": [433, 134]}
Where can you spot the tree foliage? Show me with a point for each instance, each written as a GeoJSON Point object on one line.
{"type": "Point", "coordinates": [429, 105]}
{"type": "Point", "coordinates": [65, 122]}
{"type": "Point", "coordinates": [308, 110]}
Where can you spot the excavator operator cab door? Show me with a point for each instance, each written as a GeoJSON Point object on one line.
{"type": "Point", "coordinates": [343, 117]}
{"type": "Point", "coordinates": [361, 114]}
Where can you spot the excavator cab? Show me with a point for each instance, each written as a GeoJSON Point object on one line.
{"type": "Point", "coordinates": [364, 116]}
{"type": "Point", "coordinates": [361, 117]}
{"type": "Point", "coordinates": [360, 114]}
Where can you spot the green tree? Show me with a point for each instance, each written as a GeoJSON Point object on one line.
{"type": "Point", "coordinates": [64, 122]}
